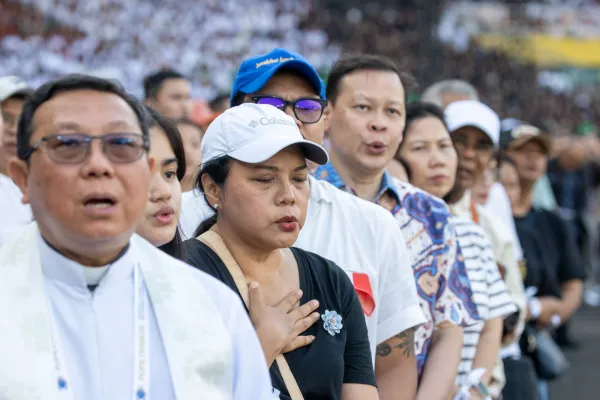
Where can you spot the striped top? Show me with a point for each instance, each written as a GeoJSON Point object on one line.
{"type": "Point", "coordinates": [489, 290]}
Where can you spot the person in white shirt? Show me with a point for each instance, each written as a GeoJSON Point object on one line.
{"type": "Point", "coordinates": [89, 309]}
{"type": "Point", "coordinates": [360, 237]}
{"type": "Point", "coordinates": [14, 214]}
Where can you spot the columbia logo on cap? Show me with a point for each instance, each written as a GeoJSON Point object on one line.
{"type": "Point", "coordinates": [253, 124]}
{"type": "Point", "coordinates": [276, 121]}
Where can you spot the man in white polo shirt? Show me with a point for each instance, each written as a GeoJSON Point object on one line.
{"type": "Point", "coordinates": [360, 237]}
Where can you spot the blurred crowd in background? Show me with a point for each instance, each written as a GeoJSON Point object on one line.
{"type": "Point", "coordinates": [121, 39]}
{"type": "Point", "coordinates": [485, 44]}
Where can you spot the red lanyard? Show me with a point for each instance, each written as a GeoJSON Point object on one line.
{"type": "Point", "coordinates": [474, 213]}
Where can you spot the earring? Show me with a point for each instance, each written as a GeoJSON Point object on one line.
{"type": "Point", "coordinates": [216, 206]}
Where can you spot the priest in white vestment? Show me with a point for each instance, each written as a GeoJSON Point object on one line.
{"type": "Point", "coordinates": [89, 310]}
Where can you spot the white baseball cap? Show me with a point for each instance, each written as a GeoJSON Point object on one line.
{"type": "Point", "coordinates": [473, 113]}
{"type": "Point", "coordinates": [253, 133]}
{"type": "Point", "coordinates": [11, 85]}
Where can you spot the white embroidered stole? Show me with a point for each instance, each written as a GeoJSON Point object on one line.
{"type": "Point", "coordinates": [194, 336]}
{"type": "Point", "coordinates": [196, 341]}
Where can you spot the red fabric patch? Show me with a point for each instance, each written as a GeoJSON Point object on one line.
{"type": "Point", "coordinates": [362, 285]}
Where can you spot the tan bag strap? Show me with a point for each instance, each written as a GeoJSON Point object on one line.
{"type": "Point", "coordinates": [213, 240]}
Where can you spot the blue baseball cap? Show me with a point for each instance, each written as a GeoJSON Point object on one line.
{"type": "Point", "coordinates": [255, 72]}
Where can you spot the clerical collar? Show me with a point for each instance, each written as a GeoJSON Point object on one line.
{"type": "Point", "coordinates": [60, 268]}
{"type": "Point", "coordinates": [93, 275]}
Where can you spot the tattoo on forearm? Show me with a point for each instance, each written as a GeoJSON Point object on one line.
{"type": "Point", "coordinates": [404, 341]}
{"type": "Point", "coordinates": [384, 350]}
{"type": "Point", "coordinates": [407, 342]}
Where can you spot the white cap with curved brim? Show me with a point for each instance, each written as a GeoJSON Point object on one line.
{"type": "Point", "coordinates": [476, 114]}
{"type": "Point", "coordinates": [253, 133]}
{"type": "Point", "coordinates": [12, 85]}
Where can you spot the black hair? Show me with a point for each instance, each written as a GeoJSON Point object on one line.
{"type": "Point", "coordinates": [217, 101]}
{"type": "Point", "coordinates": [504, 158]}
{"type": "Point", "coordinates": [20, 95]}
{"type": "Point", "coordinates": [173, 136]}
{"type": "Point", "coordinates": [404, 164]}
{"type": "Point", "coordinates": [174, 248]}
{"type": "Point", "coordinates": [238, 99]}
{"type": "Point", "coordinates": [359, 62]}
{"type": "Point", "coordinates": [154, 82]}
{"type": "Point", "coordinates": [218, 170]}
{"type": "Point", "coordinates": [419, 110]}
{"type": "Point", "coordinates": [69, 83]}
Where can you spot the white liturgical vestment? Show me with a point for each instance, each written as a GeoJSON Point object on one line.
{"type": "Point", "coordinates": [65, 341]}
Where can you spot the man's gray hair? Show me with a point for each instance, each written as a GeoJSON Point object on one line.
{"type": "Point", "coordinates": [434, 93]}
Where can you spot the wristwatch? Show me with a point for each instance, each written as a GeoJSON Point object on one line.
{"type": "Point", "coordinates": [481, 390]}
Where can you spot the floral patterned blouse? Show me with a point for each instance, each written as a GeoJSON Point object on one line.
{"type": "Point", "coordinates": [443, 286]}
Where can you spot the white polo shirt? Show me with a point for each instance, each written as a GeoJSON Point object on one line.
{"type": "Point", "coordinates": [361, 238]}
{"type": "Point", "coordinates": [364, 239]}
{"type": "Point", "coordinates": [13, 214]}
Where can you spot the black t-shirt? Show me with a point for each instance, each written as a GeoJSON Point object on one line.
{"type": "Point", "coordinates": [556, 250]}
{"type": "Point", "coordinates": [538, 273]}
{"type": "Point", "coordinates": [331, 360]}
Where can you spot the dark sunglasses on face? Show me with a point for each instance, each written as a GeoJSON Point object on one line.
{"type": "Point", "coordinates": [119, 148]}
{"type": "Point", "coordinates": [306, 109]}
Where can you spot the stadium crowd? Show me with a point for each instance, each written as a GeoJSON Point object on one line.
{"type": "Point", "coordinates": [368, 236]}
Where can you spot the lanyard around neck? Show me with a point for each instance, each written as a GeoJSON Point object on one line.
{"type": "Point", "coordinates": [474, 213]}
{"type": "Point", "coordinates": [141, 347]}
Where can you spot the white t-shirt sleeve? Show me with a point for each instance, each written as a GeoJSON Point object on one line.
{"type": "Point", "coordinates": [194, 210]}
{"type": "Point", "coordinates": [399, 304]}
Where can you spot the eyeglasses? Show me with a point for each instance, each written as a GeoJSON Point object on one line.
{"type": "Point", "coordinates": [306, 109]}
{"type": "Point", "coordinates": [119, 148]}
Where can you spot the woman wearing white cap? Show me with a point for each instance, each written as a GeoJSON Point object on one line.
{"type": "Point", "coordinates": [475, 131]}
{"type": "Point", "coordinates": [431, 161]}
{"type": "Point", "coordinates": [254, 174]}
